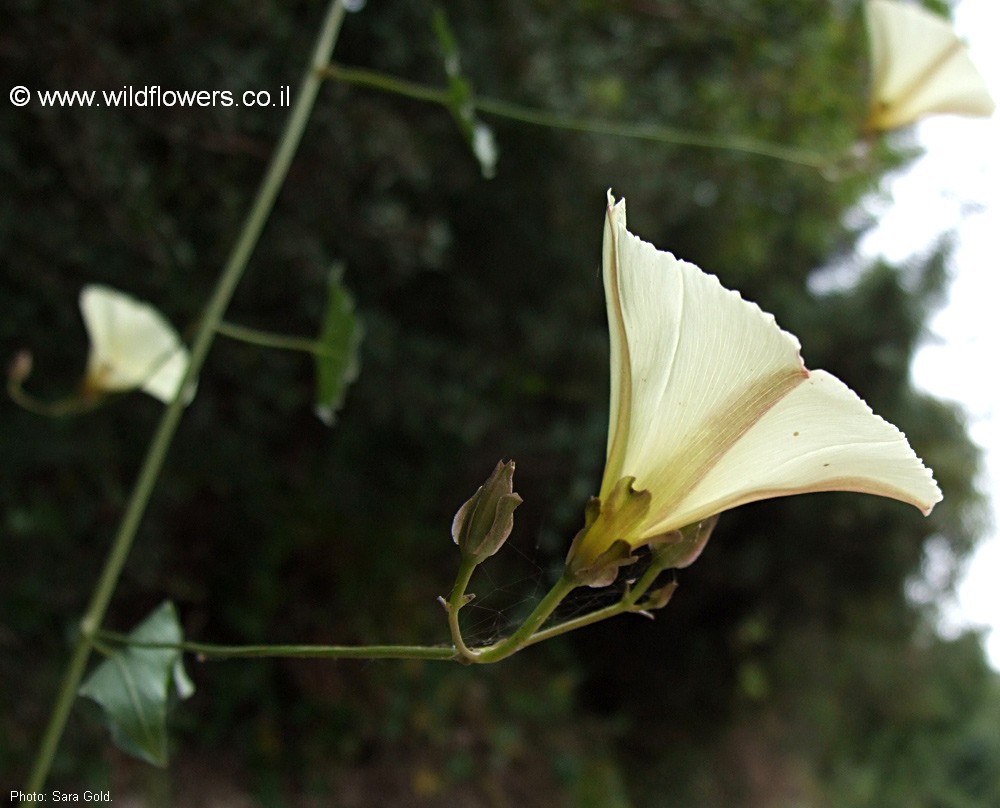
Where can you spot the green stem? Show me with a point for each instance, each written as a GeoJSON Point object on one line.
{"type": "Point", "coordinates": [527, 634]}
{"type": "Point", "coordinates": [156, 454]}
{"type": "Point", "coordinates": [209, 650]}
{"type": "Point", "coordinates": [626, 604]}
{"type": "Point", "coordinates": [269, 339]}
{"type": "Point", "coordinates": [73, 405]}
{"type": "Point", "coordinates": [540, 117]}
{"type": "Point", "coordinates": [456, 600]}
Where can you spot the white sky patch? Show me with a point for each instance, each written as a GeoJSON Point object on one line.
{"type": "Point", "coordinates": [955, 186]}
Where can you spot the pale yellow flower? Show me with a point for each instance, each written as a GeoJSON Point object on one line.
{"type": "Point", "coordinates": [712, 407]}
{"type": "Point", "coordinates": [131, 345]}
{"type": "Point", "coordinates": [919, 67]}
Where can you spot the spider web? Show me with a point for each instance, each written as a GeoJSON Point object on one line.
{"type": "Point", "coordinates": [501, 605]}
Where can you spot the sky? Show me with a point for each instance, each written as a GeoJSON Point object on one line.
{"type": "Point", "coordinates": [955, 186]}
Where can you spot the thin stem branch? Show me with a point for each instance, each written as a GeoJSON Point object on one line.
{"type": "Point", "coordinates": [456, 600]}
{"type": "Point", "coordinates": [213, 651]}
{"type": "Point", "coordinates": [73, 405]}
{"type": "Point", "coordinates": [156, 454]}
{"type": "Point", "coordinates": [555, 120]}
{"type": "Point", "coordinates": [269, 339]}
{"type": "Point", "coordinates": [627, 604]}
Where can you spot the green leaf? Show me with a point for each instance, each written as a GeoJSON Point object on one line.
{"type": "Point", "coordinates": [338, 343]}
{"type": "Point", "coordinates": [477, 134]}
{"type": "Point", "coordinates": [133, 686]}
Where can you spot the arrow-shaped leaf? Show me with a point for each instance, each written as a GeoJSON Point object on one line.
{"type": "Point", "coordinates": [133, 686]}
{"type": "Point", "coordinates": [337, 350]}
{"type": "Point", "coordinates": [477, 134]}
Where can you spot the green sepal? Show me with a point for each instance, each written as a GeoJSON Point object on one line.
{"type": "Point", "coordinates": [133, 686]}
{"type": "Point", "coordinates": [606, 541]}
{"type": "Point", "coordinates": [603, 570]}
{"type": "Point", "coordinates": [337, 349]}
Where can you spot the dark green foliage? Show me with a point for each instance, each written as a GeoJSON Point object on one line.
{"type": "Point", "coordinates": [789, 665]}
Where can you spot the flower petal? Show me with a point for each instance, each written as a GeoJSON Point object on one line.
{"type": "Point", "coordinates": [694, 366]}
{"type": "Point", "coordinates": [820, 437]}
{"type": "Point", "coordinates": [131, 345]}
{"type": "Point", "coordinates": [919, 66]}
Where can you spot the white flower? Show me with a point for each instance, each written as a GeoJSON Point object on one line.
{"type": "Point", "coordinates": [712, 407]}
{"type": "Point", "coordinates": [919, 67]}
{"type": "Point", "coordinates": [131, 345]}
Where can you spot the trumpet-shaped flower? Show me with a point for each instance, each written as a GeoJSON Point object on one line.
{"type": "Point", "coordinates": [919, 67]}
{"type": "Point", "coordinates": [131, 345]}
{"type": "Point", "coordinates": [712, 407]}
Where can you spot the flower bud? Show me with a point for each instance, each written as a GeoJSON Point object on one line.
{"type": "Point", "coordinates": [681, 548]}
{"type": "Point", "coordinates": [484, 522]}
{"type": "Point", "coordinates": [20, 368]}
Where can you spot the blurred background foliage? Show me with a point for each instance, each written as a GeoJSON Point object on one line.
{"type": "Point", "coordinates": [792, 667]}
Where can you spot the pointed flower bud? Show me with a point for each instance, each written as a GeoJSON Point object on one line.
{"type": "Point", "coordinates": [680, 548]}
{"type": "Point", "coordinates": [20, 368]}
{"type": "Point", "coordinates": [484, 522]}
